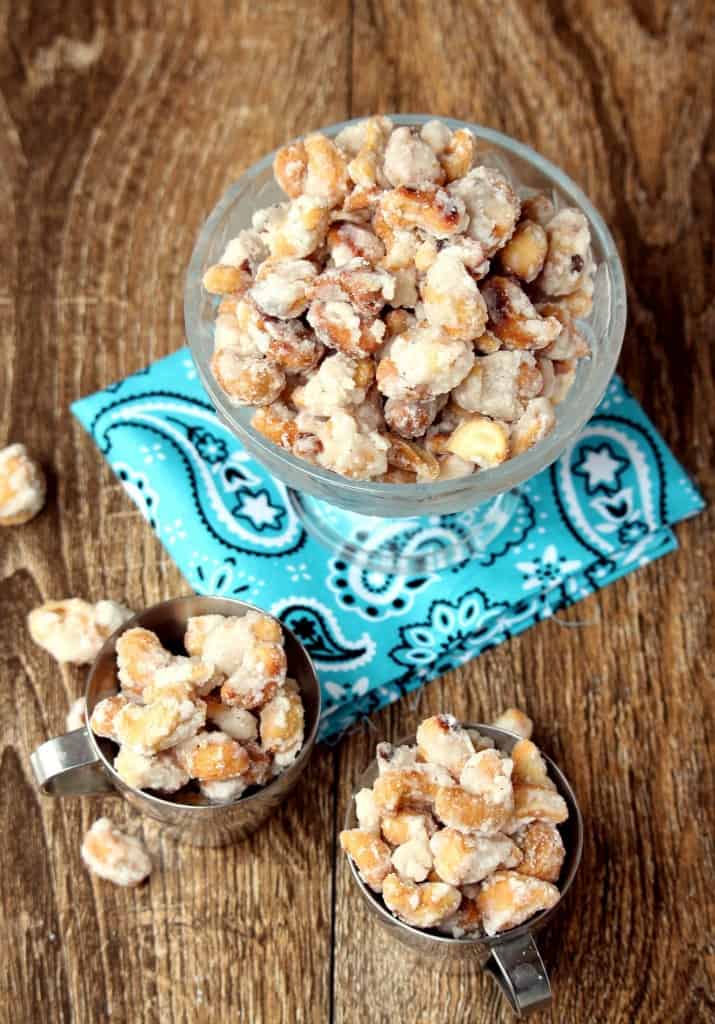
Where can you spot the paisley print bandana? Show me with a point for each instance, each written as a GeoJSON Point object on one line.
{"type": "Point", "coordinates": [601, 511]}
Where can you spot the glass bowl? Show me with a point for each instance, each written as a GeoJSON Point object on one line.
{"type": "Point", "coordinates": [311, 487]}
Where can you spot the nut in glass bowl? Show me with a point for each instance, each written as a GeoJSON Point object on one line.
{"type": "Point", "coordinates": [603, 329]}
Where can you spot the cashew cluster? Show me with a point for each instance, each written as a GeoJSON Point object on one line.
{"type": "Point", "coordinates": [403, 292]}
{"type": "Point", "coordinates": [457, 836]}
{"type": "Point", "coordinates": [224, 717]}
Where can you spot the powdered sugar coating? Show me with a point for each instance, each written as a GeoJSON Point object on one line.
{"type": "Point", "coordinates": [440, 836]}
{"type": "Point", "coordinates": [197, 718]}
{"type": "Point", "coordinates": [115, 856]}
{"type": "Point", "coordinates": [379, 221]}
{"type": "Point", "coordinates": [74, 630]}
{"type": "Point", "coordinates": [22, 486]}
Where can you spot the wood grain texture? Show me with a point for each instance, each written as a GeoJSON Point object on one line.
{"type": "Point", "coordinates": [120, 125]}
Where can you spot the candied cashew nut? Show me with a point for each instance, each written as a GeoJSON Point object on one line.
{"type": "Point", "coordinates": [282, 724]}
{"type": "Point", "coordinates": [389, 758]}
{"type": "Point", "coordinates": [289, 168]}
{"type": "Point", "coordinates": [161, 771]}
{"type": "Point", "coordinates": [22, 486]}
{"type": "Point", "coordinates": [367, 289]}
{"type": "Point", "coordinates": [491, 204]}
{"type": "Point", "coordinates": [74, 630]}
{"type": "Point", "coordinates": [442, 740]}
{"type": "Point", "coordinates": [579, 303]}
{"type": "Point", "coordinates": [223, 279]}
{"type": "Point", "coordinates": [103, 717]}
{"type": "Point", "coordinates": [260, 765]}
{"type": "Point", "coordinates": [149, 728]}
{"type": "Point", "coordinates": [412, 458]}
{"type": "Point", "coordinates": [458, 155]}
{"type": "Point", "coordinates": [413, 860]}
{"type": "Point", "coordinates": [422, 906]}
{"type": "Point", "coordinates": [339, 326]}
{"type": "Point", "coordinates": [536, 423]}
{"type": "Point", "coordinates": [366, 144]}
{"type": "Point", "coordinates": [370, 855]}
{"type": "Point", "coordinates": [466, 921]}
{"type": "Point", "coordinates": [198, 629]}
{"type": "Point", "coordinates": [247, 380]}
{"type": "Point", "coordinates": [246, 250]}
{"type": "Point", "coordinates": [211, 756]}
{"type": "Point", "coordinates": [568, 259]}
{"type": "Point", "coordinates": [350, 448]}
{"type": "Point", "coordinates": [139, 654]}
{"type": "Point", "coordinates": [451, 298]}
{"type": "Point", "coordinates": [277, 423]}
{"type": "Point", "coordinates": [422, 364]}
{"type": "Point", "coordinates": [347, 242]}
{"type": "Point", "coordinates": [366, 811]}
{"type": "Point", "coordinates": [498, 385]}
{"type": "Point", "coordinates": [570, 342]}
{"type": "Point", "coordinates": [401, 826]}
{"type": "Point", "coordinates": [326, 172]}
{"type": "Point", "coordinates": [538, 208]}
{"type": "Point", "coordinates": [406, 786]}
{"type": "Point", "coordinates": [299, 229]}
{"type": "Point", "coordinates": [513, 318]}
{"type": "Point", "coordinates": [514, 720]}
{"type": "Point", "coordinates": [451, 467]}
{"type": "Point", "coordinates": [529, 765]}
{"type": "Point", "coordinates": [221, 791]}
{"type": "Point", "coordinates": [488, 775]}
{"type": "Point", "coordinates": [536, 803]}
{"type": "Point", "coordinates": [430, 208]}
{"type": "Point", "coordinates": [247, 650]}
{"type": "Point", "coordinates": [480, 440]}
{"type": "Point", "coordinates": [340, 381]}
{"type": "Point", "coordinates": [525, 252]}
{"type": "Point", "coordinates": [282, 287]}
{"type": "Point", "coordinates": [462, 859]}
{"type": "Point", "coordinates": [409, 160]}
{"type": "Point", "coordinates": [410, 418]}
{"type": "Point", "coordinates": [115, 856]}
{"type": "Point", "coordinates": [454, 149]}
{"type": "Point", "coordinates": [508, 899]}
{"type": "Point", "coordinates": [183, 678]}
{"type": "Point", "coordinates": [469, 812]}
{"type": "Point", "coordinates": [487, 343]}
{"type": "Point", "coordinates": [257, 680]}
{"type": "Point", "coordinates": [543, 851]}
{"type": "Point", "coordinates": [564, 377]}
{"type": "Point", "coordinates": [238, 723]}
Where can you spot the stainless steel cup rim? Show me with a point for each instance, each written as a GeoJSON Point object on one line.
{"type": "Point", "coordinates": [108, 650]}
{"type": "Point", "coordinates": [573, 855]}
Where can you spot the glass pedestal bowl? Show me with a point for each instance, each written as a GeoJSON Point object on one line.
{"type": "Point", "coordinates": [406, 528]}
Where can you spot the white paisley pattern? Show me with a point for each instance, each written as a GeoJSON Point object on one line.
{"type": "Point", "coordinates": [604, 508]}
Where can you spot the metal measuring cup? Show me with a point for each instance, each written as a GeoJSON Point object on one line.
{"type": "Point", "coordinates": [511, 957]}
{"type": "Point", "coordinates": [80, 763]}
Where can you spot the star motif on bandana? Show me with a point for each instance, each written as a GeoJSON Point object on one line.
{"type": "Point", "coordinates": [601, 469]}
{"type": "Point", "coordinates": [258, 510]}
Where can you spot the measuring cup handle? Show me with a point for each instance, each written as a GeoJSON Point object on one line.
{"type": "Point", "coordinates": [68, 766]}
{"type": "Point", "coordinates": [519, 972]}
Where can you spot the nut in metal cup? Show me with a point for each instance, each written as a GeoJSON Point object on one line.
{"type": "Point", "coordinates": [80, 763]}
{"type": "Point", "coordinates": [511, 957]}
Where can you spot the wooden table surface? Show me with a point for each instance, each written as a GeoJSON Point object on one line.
{"type": "Point", "coordinates": [119, 128]}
